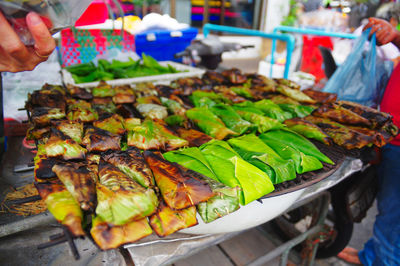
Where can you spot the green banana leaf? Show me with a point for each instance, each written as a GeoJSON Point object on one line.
{"type": "Point", "coordinates": [193, 159]}
{"type": "Point", "coordinates": [173, 106]}
{"type": "Point", "coordinates": [233, 171]}
{"type": "Point", "coordinates": [175, 120]}
{"type": "Point", "coordinates": [296, 141]}
{"type": "Point", "coordinates": [295, 94]}
{"type": "Point", "coordinates": [297, 110]}
{"type": "Point", "coordinates": [113, 124]}
{"type": "Point", "coordinates": [153, 111]}
{"type": "Point", "coordinates": [308, 130]}
{"type": "Point", "coordinates": [120, 199]}
{"type": "Point", "coordinates": [256, 152]}
{"type": "Point", "coordinates": [103, 90]}
{"type": "Point", "coordinates": [263, 123]}
{"type": "Point", "coordinates": [270, 109]}
{"type": "Point", "coordinates": [304, 163]}
{"type": "Point", "coordinates": [209, 123]}
{"type": "Point", "coordinates": [230, 118]}
{"type": "Point", "coordinates": [67, 149]}
{"type": "Point", "coordinates": [242, 91]}
{"type": "Point", "coordinates": [205, 98]}
{"type": "Point", "coordinates": [74, 130]}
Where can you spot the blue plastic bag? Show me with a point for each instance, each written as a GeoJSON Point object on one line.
{"type": "Point", "coordinates": [363, 77]}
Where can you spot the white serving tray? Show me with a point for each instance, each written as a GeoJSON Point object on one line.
{"type": "Point", "coordinates": [190, 72]}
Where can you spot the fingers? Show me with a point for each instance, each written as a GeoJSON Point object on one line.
{"type": "Point", "coordinates": [12, 45]}
{"type": "Point", "coordinates": [44, 43]}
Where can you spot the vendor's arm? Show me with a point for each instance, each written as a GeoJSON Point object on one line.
{"type": "Point", "coordinates": [14, 55]}
{"type": "Point", "coordinates": [385, 32]}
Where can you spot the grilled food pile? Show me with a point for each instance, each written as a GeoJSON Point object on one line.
{"type": "Point", "coordinates": [122, 162]}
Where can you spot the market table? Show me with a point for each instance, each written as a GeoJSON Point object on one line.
{"type": "Point", "coordinates": [21, 236]}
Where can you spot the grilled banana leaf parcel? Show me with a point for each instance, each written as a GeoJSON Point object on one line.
{"type": "Point", "coordinates": [230, 118]}
{"type": "Point", "coordinates": [108, 236]}
{"type": "Point", "coordinates": [303, 163]}
{"type": "Point", "coordinates": [178, 187]}
{"type": "Point", "coordinates": [341, 135]}
{"type": "Point", "coordinates": [341, 115]}
{"type": "Point", "coordinates": [297, 142]}
{"type": "Point", "coordinates": [173, 107]}
{"type": "Point", "coordinates": [99, 140]}
{"type": "Point", "coordinates": [377, 118]}
{"type": "Point", "coordinates": [62, 205]}
{"type": "Point", "coordinates": [308, 130]}
{"type": "Point", "coordinates": [270, 109]}
{"type": "Point", "coordinates": [120, 199]}
{"type": "Point", "coordinates": [297, 110]}
{"type": "Point", "coordinates": [123, 94]}
{"type": "Point", "coordinates": [63, 147]}
{"type": "Point", "coordinates": [80, 182]}
{"type": "Point", "coordinates": [257, 117]}
{"type": "Point", "coordinates": [197, 98]}
{"type": "Point", "coordinates": [72, 129]}
{"type": "Point", "coordinates": [194, 137]}
{"type": "Point", "coordinates": [233, 171]}
{"type": "Point", "coordinates": [43, 168]}
{"type": "Point", "coordinates": [321, 97]}
{"type": "Point", "coordinates": [295, 94]}
{"type": "Point", "coordinates": [154, 135]}
{"type": "Point", "coordinates": [152, 111]}
{"type": "Point", "coordinates": [113, 124]}
{"type": "Point", "coordinates": [132, 163]}
{"type": "Point", "coordinates": [256, 152]}
{"type": "Point", "coordinates": [103, 90]}
{"type": "Point", "coordinates": [41, 116]}
{"type": "Point", "coordinates": [167, 220]}
{"type": "Point", "coordinates": [209, 123]}
{"type": "Point", "coordinates": [81, 111]}
{"type": "Point", "coordinates": [225, 199]}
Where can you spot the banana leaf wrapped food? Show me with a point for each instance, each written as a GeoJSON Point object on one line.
{"type": "Point", "coordinates": [167, 220]}
{"type": "Point", "coordinates": [297, 110]}
{"type": "Point", "coordinates": [178, 187]}
{"type": "Point", "coordinates": [79, 181]}
{"type": "Point", "coordinates": [103, 106]}
{"type": "Point", "coordinates": [154, 135]}
{"type": "Point", "coordinates": [256, 152]}
{"type": "Point", "coordinates": [233, 171]}
{"type": "Point", "coordinates": [61, 146]}
{"type": "Point", "coordinates": [63, 206]}
{"type": "Point", "coordinates": [112, 123]}
{"type": "Point", "coordinates": [103, 90]}
{"type": "Point", "coordinates": [341, 115]}
{"type": "Point", "coordinates": [173, 106]}
{"type": "Point", "coordinates": [72, 129]}
{"type": "Point", "coordinates": [202, 98]}
{"type": "Point", "coordinates": [230, 118]}
{"type": "Point", "coordinates": [108, 236]}
{"type": "Point", "coordinates": [321, 97]}
{"type": "Point", "coordinates": [99, 140]}
{"type": "Point", "coordinates": [123, 94]}
{"type": "Point", "coordinates": [120, 199]}
{"type": "Point", "coordinates": [132, 163]}
{"type": "Point", "coordinates": [340, 134]}
{"type": "Point", "coordinates": [295, 141]}
{"type": "Point", "coordinates": [270, 109]}
{"type": "Point", "coordinates": [295, 94]}
{"type": "Point", "coordinates": [282, 99]}
{"type": "Point", "coordinates": [234, 76]}
{"type": "Point", "coordinates": [194, 137]}
{"type": "Point", "coordinates": [225, 199]}
{"type": "Point", "coordinates": [34, 133]}
{"type": "Point", "coordinates": [79, 93]}
{"type": "Point", "coordinates": [209, 123]}
{"type": "Point", "coordinates": [152, 111]}
{"type": "Point", "coordinates": [43, 166]}
{"type": "Point", "coordinates": [81, 111]}
{"type": "Point", "coordinates": [308, 130]}
{"type": "Point", "coordinates": [46, 98]}
{"type": "Point", "coordinates": [42, 116]}
{"type": "Point", "coordinates": [257, 117]}
{"type": "Point", "coordinates": [288, 83]}
{"type": "Point", "coordinates": [303, 163]}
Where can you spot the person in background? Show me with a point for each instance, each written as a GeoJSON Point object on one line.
{"type": "Point", "coordinates": [384, 246]}
{"type": "Point", "coordinates": [14, 55]}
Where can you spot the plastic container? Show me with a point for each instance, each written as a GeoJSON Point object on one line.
{"type": "Point", "coordinates": [164, 44]}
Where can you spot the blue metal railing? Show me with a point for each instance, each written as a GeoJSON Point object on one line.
{"type": "Point", "coordinates": [308, 32]}
{"type": "Point", "coordinates": [274, 36]}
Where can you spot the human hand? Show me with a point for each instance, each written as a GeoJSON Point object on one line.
{"type": "Point", "coordinates": [385, 32]}
{"type": "Point", "coordinates": [14, 55]}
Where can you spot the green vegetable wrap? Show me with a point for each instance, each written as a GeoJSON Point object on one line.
{"type": "Point", "coordinates": [209, 123]}
{"type": "Point", "coordinates": [295, 141]}
{"type": "Point", "coordinates": [230, 118]}
{"type": "Point", "coordinates": [255, 151]}
{"type": "Point", "coordinates": [233, 171]}
{"type": "Point", "coordinates": [308, 130]}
